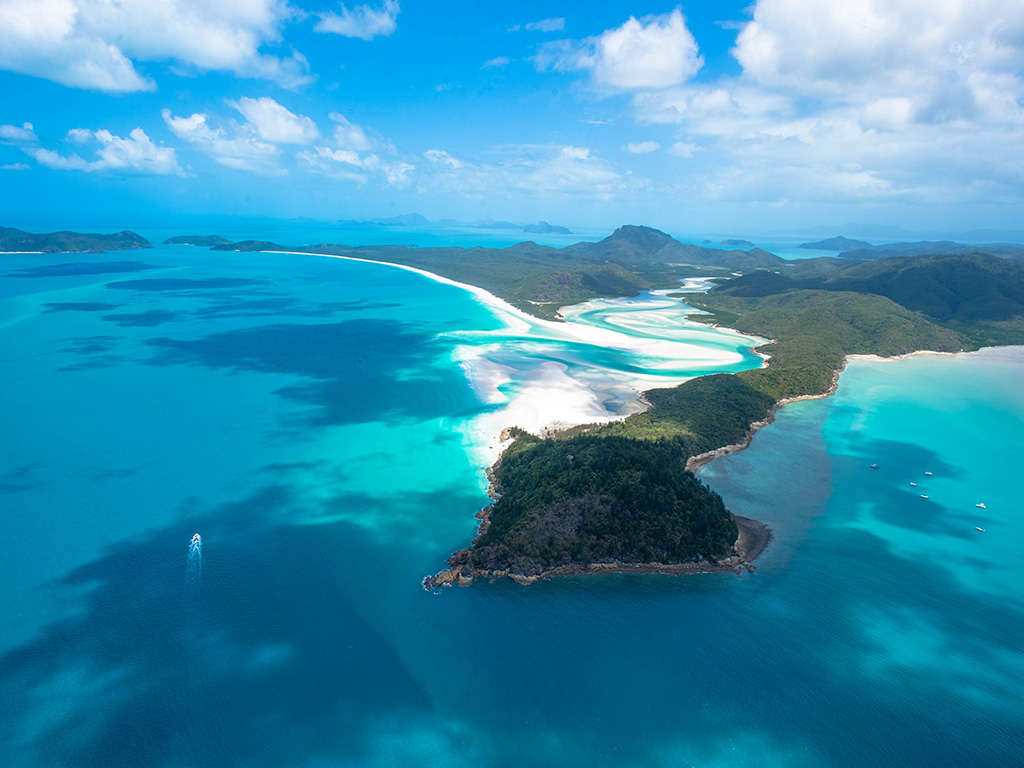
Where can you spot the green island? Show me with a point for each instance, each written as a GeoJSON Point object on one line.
{"type": "Point", "coordinates": [16, 240]}
{"type": "Point", "coordinates": [622, 496]}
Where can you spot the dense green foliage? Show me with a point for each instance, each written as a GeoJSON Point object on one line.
{"type": "Point", "coordinates": [590, 500]}
{"type": "Point", "coordinates": [973, 289]}
{"type": "Point", "coordinates": [814, 330]}
{"type": "Point", "coordinates": [68, 242]}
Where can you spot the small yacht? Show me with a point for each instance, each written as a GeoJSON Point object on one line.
{"type": "Point", "coordinates": [981, 506]}
{"type": "Point", "coordinates": [874, 466]}
{"type": "Point", "coordinates": [914, 484]}
{"type": "Point", "coordinates": [923, 496]}
{"type": "Point", "coordinates": [977, 528]}
{"type": "Point", "coordinates": [928, 473]}
{"type": "Point", "coordinates": [195, 543]}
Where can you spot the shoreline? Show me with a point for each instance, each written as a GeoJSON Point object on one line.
{"type": "Point", "coordinates": [694, 463]}
{"type": "Point", "coordinates": [752, 540]}
{"type": "Point", "coordinates": [550, 400]}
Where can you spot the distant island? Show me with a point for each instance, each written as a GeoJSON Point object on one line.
{"type": "Point", "coordinates": [543, 228]}
{"type": "Point", "coordinates": [860, 250]}
{"type": "Point", "coordinates": [207, 240]}
{"type": "Point", "coordinates": [736, 244]}
{"type": "Point", "coordinates": [838, 243]}
{"type": "Point", "coordinates": [15, 240]}
{"type": "Point", "coordinates": [621, 496]}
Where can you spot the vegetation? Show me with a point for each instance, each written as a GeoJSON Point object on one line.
{"type": "Point", "coordinates": [207, 240]}
{"type": "Point", "coordinates": [68, 242]}
{"type": "Point", "coordinates": [591, 500]}
{"type": "Point", "coordinates": [539, 279]}
{"type": "Point", "coordinates": [620, 492]}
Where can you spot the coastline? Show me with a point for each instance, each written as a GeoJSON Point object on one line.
{"type": "Point", "coordinates": [753, 535]}
{"type": "Point", "coordinates": [694, 463]}
{"type": "Point", "coordinates": [751, 542]}
{"type": "Point", "coordinates": [550, 399]}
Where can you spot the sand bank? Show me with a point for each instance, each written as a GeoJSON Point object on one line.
{"type": "Point", "coordinates": [541, 375]}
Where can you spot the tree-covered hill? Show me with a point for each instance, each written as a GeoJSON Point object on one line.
{"type": "Point", "coordinates": [68, 242]}
{"type": "Point", "coordinates": [972, 288]}
{"type": "Point", "coordinates": [589, 500]}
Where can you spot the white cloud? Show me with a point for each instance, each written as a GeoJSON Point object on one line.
{"type": "Point", "coordinates": [96, 45]}
{"type": "Point", "coordinates": [14, 167]}
{"type": "Point", "coordinates": [135, 153]}
{"type": "Point", "coordinates": [13, 134]}
{"type": "Point", "coordinates": [363, 21]}
{"type": "Point", "coordinates": [529, 172]}
{"type": "Point", "coordinates": [348, 135]}
{"type": "Point", "coordinates": [682, 149]}
{"type": "Point", "coordinates": [643, 147]}
{"type": "Point", "coordinates": [274, 123]}
{"type": "Point", "coordinates": [239, 149]}
{"type": "Point", "coordinates": [649, 53]}
{"type": "Point", "coordinates": [499, 61]}
{"type": "Point", "coordinates": [440, 157]}
{"type": "Point", "coordinates": [957, 59]}
{"type": "Point", "coordinates": [546, 25]}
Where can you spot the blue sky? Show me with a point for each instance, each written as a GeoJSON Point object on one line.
{"type": "Point", "coordinates": [722, 116]}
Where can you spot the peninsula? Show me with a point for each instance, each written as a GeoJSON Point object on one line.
{"type": "Point", "coordinates": [621, 496]}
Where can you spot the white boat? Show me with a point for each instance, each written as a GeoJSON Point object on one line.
{"type": "Point", "coordinates": [981, 506]}
{"type": "Point", "coordinates": [928, 473]}
{"type": "Point", "coordinates": [979, 529]}
{"type": "Point", "coordinates": [195, 544]}
{"type": "Point", "coordinates": [914, 484]}
{"type": "Point", "coordinates": [923, 496]}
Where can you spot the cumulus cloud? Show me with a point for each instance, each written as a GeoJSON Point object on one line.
{"type": "Point", "coordinates": [363, 21]}
{"type": "Point", "coordinates": [861, 100]}
{"type": "Point", "coordinates": [96, 45]}
{"type": "Point", "coordinates": [953, 59]}
{"type": "Point", "coordinates": [274, 123]}
{"type": "Point", "coordinates": [349, 135]}
{"type": "Point", "coordinates": [648, 53]}
{"type": "Point", "coordinates": [358, 155]}
{"type": "Point", "coordinates": [13, 134]}
{"type": "Point", "coordinates": [135, 153]}
{"type": "Point", "coordinates": [237, 148]}
{"type": "Point", "coordinates": [643, 147]}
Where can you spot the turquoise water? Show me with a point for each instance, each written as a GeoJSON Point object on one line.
{"type": "Point", "coordinates": [313, 420]}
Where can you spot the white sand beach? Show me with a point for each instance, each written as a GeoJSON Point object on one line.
{"type": "Point", "coordinates": [541, 374]}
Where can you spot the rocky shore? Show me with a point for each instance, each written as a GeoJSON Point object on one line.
{"type": "Point", "coordinates": [696, 462]}
{"type": "Point", "coordinates": [753, 538]}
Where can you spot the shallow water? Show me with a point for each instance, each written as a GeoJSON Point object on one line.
{"type": "Point", "coordinates": [311, 419]}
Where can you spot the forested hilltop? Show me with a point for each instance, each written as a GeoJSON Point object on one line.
{"type": "Point", "coordinates": [68, 242]}
{"type": "Point", "coordinates": [619, 496]}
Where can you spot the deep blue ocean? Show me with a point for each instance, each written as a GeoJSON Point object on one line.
{"type": "Point", "coordinates": [311, 419]}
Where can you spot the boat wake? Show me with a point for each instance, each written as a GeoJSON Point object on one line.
{"type": "Point", "coordinates": [194, 568]}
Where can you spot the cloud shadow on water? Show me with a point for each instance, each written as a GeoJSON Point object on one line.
{"type": "Point", "coordinates": [268, 663]}
{"type": "Point", "coordinates": [353, 370]}
{"type": "Point", "coordinates": [82, 268]}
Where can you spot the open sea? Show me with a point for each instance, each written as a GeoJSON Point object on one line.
{"type": "Point", "coordinates": [318, 422]}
